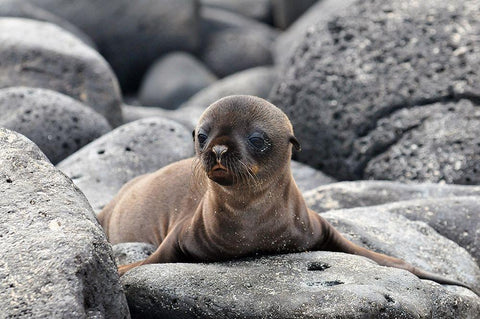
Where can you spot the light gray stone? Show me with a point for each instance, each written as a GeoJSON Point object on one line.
{"type": "Point", "coordinates": [127, 253]}
{"type": "Point", "coordinates": [308, 178]}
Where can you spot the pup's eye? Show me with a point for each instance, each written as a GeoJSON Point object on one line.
{"type": "Point", "coordinates": [201, 138]}
{"type": "Point", "coordinates": [258, 141]}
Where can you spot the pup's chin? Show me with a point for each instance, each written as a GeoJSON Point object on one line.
{"type": "Point", "coordinates": [221, 176]}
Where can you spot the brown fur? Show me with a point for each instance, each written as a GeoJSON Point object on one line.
{"type": "Point", "coordinates": [193, 212]}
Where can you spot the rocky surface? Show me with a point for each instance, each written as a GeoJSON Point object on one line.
{"type": "Point", "coordinates": [56, 123]}
{"type": "Point", "coordinates": [131, 34]}
{"type": "Point", "coordinates": [174, 79]}
{"type": "Point", "coordinates": [308, 178]}
{"type": "Point", "coordinates": [100, 168]}
{"type": "Point", "coordinates": [232, 43]}
{"type": "Point", "coordinates": [126, 253]}
{"type": "Point", "coordinates": [307, 285]}
{"type": "Point", "coordinates": [260, 10]}
{"type": "Point", "coordinates": [56, 262]}
{"type": "Point", "coordinates": [356, 73]}
{"type": "Point", "coordinates": [24, 9]}
{"type": "Point", "coordinates": [40, 54]}
{"type": "Point", "coordinates": [285, 12]}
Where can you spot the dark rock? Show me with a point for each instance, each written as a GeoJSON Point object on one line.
{"type": "Point", "coordinates": [132, 34]}
{"type": "Point", "coordinates": [102, 167]}
{"type": "Point", "coordinates": [56, 261]}
{"type": "Point", "coordinates": [23, 9]}
{"type": "Point", "coordinates": [306, 285]}
{"type": "Point", "coordinates": [319, 13]}
{"type": "Point", "coordinates": [234, 43]}
{"type": "Point", "coordinates": [173, 79]}
{"type": "Point", "coordinates": [373, 60]}
{"type": "Point", "coordinates": [40, 54]}
{"type": "Point", "coordinates": [308, 178]}
{"type": "Point", "coordinates": [370, 193]}
{"type": "Point", "coordinates": [260, 10]}
{"type": "Point", "coordinates": [58, 124]}
{"type": "Point", "coordinates": [257, 81]}
{"type": "Point", "coordinates": [135, 112]}
{"type": "Point", "coordinates": [127, 253]}
{"type": "Point", "coordinates": [285, 12]}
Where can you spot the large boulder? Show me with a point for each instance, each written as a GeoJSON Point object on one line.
{"type": "Point", "coordinates": [173, 79]}
{"type": "Point", "coordinates": [40, 54]}
{"type": "Point", "coordinates": [101, 168]}
{"type": "Point", "coordinates": [58, 124]}
{"type": "Point", "coordinates": [285, 12]}
{"type": "Point", "coordinates": [378, 63]}
{"type": "Point", "coordinates": [24, 9]}
{"type": "Point", "coordinates": [232, 43]}
{"type": "Point", "coordinates": [132, 34]}
{"type": "Point", "coordinates": [307, 178]}
{"type": "Point", "coordinates": [56, 261]}
{"type": "Point", "coordinates": [260, 10]}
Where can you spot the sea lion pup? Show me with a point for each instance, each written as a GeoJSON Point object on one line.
{"type": "Point", "coordinates": [235, 198]}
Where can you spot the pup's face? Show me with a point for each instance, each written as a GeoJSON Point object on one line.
{"type": "Point", "coordinates": [243, 140]}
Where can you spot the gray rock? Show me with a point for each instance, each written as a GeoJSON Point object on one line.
{"type": "Point", "coordinates": [40, 54]}
{"type": "Point", "coordinates": [308, 178]}
{"type": "Point", "coordinates": [58, 124]}
{"type": "Point", "coordinates": [173, 79]}
{"type": "Point", "coordinates": [135, 112]}
{"type": "Point", "coordinates": [257, 81]}
{"type": "Point", "coordinates": [56, 261]}
{"type": "Point", "coordinates": [234, 44]}
{"type": "Point", "coordinates": [260, 10]}
{"type": "Point", "coordinates": [23, 9]}
{"type": "Point", "coordinates": [285, 12]}
{"type": "Point", "coordinates": [373, 60]}
{"type": "Point", "coordinates": [369, 193]}
{"type": "Point", "coordinates": [306, 285]}
{"type": "Point", "coordinates": [320, 13]}
{"type": "Point", "coordinates": [127, 253]}
{"type": "Point", "coordinates": [132, 34]}
{"type": "Point", "coordinates": [101, 168]}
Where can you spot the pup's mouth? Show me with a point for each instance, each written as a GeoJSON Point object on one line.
{"type": "Point", "coordinates": [220, 174]}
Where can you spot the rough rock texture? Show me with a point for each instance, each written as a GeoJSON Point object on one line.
{"type": "Point", "coordinates": [40, 54]}
{"type": "Point", "coordinates": [307, 285]}
{"type": "Point", "coordinates": [260, 10]}
{"type": "Point", "coordinates": [285, 12]}
{"type": "Point", "coordinates": [23, 9]}
{"type": "Point", "coordinates": [58, 124]}
{"type": "Point", "coordinates": [173, 79]}
{"type": "Point", "coordinates": [132, 34]}
{"type": "Point", "coordinates": [351, 75]}
{"type": "Point", "coordinates": [233, 43]}
{"type": "Point", "coordinates": [308, 178]}
{"type": "Point", "coordinates": [370, 193]}
{"type": "Point", "coordinates": [100, 168]}
{"type": "Point", "coordinates": [126, 253]}
{"type": "Point", "coordinates": [257, 81]}
{"type": "Point", "coordinates": [56, 262]}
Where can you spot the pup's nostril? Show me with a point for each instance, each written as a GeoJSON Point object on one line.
{"type": "Point", "coordinates": [219, 150]}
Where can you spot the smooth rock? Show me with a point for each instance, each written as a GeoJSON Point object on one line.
{"type": "Point", "coordinates": [306, 285]}
{"type": "Point", "coordinates": [257, 81]}
{"type": "Point", "coordinates": [376, 59]}
{"type": "Point", "coordinates": [260, 10]}
{"type": "Point", "coordinates": [58, 124]}
{"type": "Point", "coordinates": [40, 54]}
{"type": "Point", "coordinates": [24, 9]}
{"type": "Point", "coordinates": [101, 168]}
{"type": "Point", "coordinates": [56, 261]}
{"type": "Point", "coordinates": [308, 178]}
{"type": "Point", "coordinates": [237, 45]}
{"type": "Point", "coordinates": [285, 12]}
{"type": "Point", "coordinates": [132, 34]}
{"type": "Point", "coordinates": [127, 253]}
{"type": "Point", "coordinates": [173, 79]}
{"type": "Point", "coordinates": [135, 112]}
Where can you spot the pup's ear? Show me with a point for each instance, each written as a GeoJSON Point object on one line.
{"type": "Point", "coordinates": [193, 135]}
{"type": "Point", "coordinates": [295, 143]}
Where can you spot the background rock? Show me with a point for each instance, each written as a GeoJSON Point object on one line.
{"type": "Point", "coordinates": [308, 178]}
{"type": "Point", "coordinates": [285, 12]}
{"type": "Point", "coordinates": [307, 285]}
{"type": "Point", "coordinates": [260, 10]}
{"type": "Point", "coordinates": [132, 34]}
{"type": "Point", "coordinates": [173, 79]}
{"type": "Point", "coordinates": [40, 54]}
{"type": "Point", "coordinates": [24, 9]}
{"type": "Point", "coordinates": [58, 124]}
{"type": "Point", "coordinates": [102, 167]}
{"type": "Point", "coordinates": [56, 262]}
{"type": "Point", "coordinates": [127, 253]}
{"type": "Point", "coordinates": [233, 43]}
{"type": "Point", "coordinates": [373, 60]}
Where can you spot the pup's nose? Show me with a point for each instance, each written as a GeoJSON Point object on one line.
{"type": "Point", "coordinates": [219, 150]}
